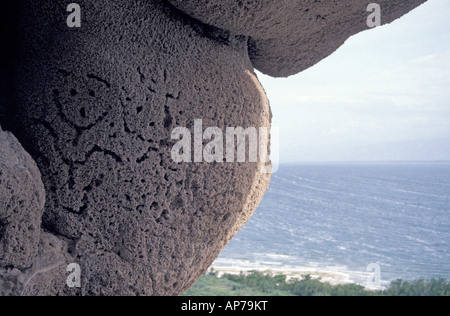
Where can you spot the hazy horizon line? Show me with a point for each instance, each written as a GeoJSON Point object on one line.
{"type": "Point", "coordinates": [362, 161]}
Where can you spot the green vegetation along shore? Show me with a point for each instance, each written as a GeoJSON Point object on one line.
{"type": "Point", "coordinates": [260, 284]}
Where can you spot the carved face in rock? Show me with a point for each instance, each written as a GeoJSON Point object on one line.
{"type": "Point", "coordinates": [96, 106]}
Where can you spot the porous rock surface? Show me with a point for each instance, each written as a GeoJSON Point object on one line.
{"type": "Point", "coordinates": [95, 106]}
{"type": "Point", "coordinates": [289, 36]}
{"type": "Point", "coordinates": [28, 256]}
{"type": "Point", "coordinates": [45, 276]}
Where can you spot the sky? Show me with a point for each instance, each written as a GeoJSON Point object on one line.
{"type": "Point", "coordinates": [383, 96]}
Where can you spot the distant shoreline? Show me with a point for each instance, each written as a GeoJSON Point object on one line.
{"type": "Point", "coordinates": [334, 278]}
{"type": "Point", "coordinates": [265, 283]}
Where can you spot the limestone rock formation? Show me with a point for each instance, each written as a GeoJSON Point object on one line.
{"type": "Point", "coordinates": [28, 256]}
{"type": "Point", "coordinates": [289, 36]}
{"type": "Point", "coordinates": [22, 199]}
{"type": "Point", "coordinates": [95, 106]}
{"type": "Point", "coordinates": [46, 274]}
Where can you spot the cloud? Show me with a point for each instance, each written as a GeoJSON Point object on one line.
{"type": "Point", "coordinates": [390, 84]}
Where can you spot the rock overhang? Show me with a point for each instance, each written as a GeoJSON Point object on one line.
{"type": "Point", "coordinates": [289, 36]}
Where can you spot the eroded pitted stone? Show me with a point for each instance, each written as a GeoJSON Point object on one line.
{"type": "Point", "coordinates": [22, 199]}
{"type": "Point", "coordinates": [97, 106]}
{"type": "Point", "coordinates": [289, 36]}
{"type": "Point", "coordinates": [46, 275]}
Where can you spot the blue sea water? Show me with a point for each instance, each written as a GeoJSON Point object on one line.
{"type": "Point", "coordinates": [341, 217]}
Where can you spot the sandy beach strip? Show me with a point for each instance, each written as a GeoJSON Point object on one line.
{"type": "Point", "coordinates": [326, 276]}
